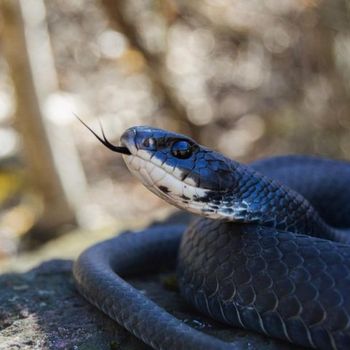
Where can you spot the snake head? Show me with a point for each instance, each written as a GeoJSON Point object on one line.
{"type": "Point", "coordinates": [178, 169]}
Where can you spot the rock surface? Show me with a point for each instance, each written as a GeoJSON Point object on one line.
{"type": "Point", "coordinates": [41, 309]}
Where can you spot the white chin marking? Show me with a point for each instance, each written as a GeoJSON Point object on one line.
{"type": "Point", "coordinates": [157, 178]}
{"type": "Point", "coordinates": [157, 174]}
{"type": "Point", "coordinates": [188, 191]}
{"type": "Point", "coordinates": [143, 154]}
{"type": "Point", "coordinates": [190, 181]}
{"type": "Point", "coordinates": [157, 161]}
{"type": "Point", "coordinates": [149, 167]}
{"type": "Point", "coordinates": [177, 173]}
{"type": "Point", "coordinates": [172, 184]}
{"type": "Point", "coordinates": [145, 175]}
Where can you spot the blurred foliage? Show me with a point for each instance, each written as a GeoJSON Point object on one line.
{"type": "Point", "coordinates": [253, 78]}
{"type": "Point", "coordinates": [250, 78]}
{"type": "Point", "coordinates": [10, 184]}
{"type": "Point", "coordinates": [17, 213]}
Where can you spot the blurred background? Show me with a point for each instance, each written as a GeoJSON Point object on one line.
{"type": "Point", "coordinates": [251, 78]}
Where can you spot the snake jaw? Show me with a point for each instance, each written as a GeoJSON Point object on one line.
{"type": "Point", "coordinates": [165, 184]}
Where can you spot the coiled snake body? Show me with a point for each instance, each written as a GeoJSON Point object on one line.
{"type": "Point", "coordinates": [271, 254]}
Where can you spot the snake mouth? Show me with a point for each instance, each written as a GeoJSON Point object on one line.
{"type": "Point", "coordinates": [123, 149]}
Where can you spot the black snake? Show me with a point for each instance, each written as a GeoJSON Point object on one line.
{"type": "Point", "coordinates": [271, 254]}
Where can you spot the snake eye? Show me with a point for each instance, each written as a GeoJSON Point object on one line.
{"type": "Point", "coordinates": [150, 142]}
{"type": "Point", "coordinates": [181, 149]}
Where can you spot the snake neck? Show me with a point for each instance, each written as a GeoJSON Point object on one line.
{"type": "Point", "coordinates": [257, 199]}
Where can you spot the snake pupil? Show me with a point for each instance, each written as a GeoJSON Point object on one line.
{"type": "Point", "coordinates": [181, 149]}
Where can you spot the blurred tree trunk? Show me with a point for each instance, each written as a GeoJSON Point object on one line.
{"type": "Point", "coordinates": [115, 12]}
{"type": "Point", "coordinates": [29, 119]}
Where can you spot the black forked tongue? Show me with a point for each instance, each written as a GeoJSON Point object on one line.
{"type": "Point", "coordinates": [104, 141]}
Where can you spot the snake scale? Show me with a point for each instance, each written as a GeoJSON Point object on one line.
{"type": "Point", "coordinates": [270, 252]}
